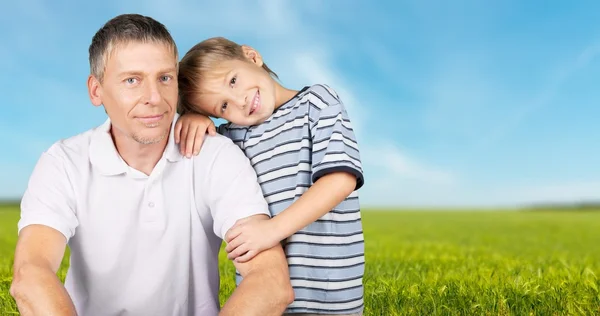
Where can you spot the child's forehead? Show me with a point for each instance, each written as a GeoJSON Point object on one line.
{"type": "Point", "coordinates": [214, 81]}
{"type": "Point", "coordinates": [210, 89]}
{"type": "Point", "coordinates": [206, 100]}
{"type": "Point", "coordinates": [212, 85]}
{"type": "Point", "coordinates": [215, 76]}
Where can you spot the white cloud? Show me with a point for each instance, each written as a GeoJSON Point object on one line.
{"type": "Point", "coordinates": [31, 14]}
{"type": "Point", "coordinates": [312, 68]}
{"type": "Point", "coordinates": [264, 18]}
{"type": "Point", "coordinates": [575, 191]}
{"type": "Point", "coordinates": [403, 193]}
{"type": "Point", "coordinates": [461, 99]}
{"type": "Point", "coordinates": [544, 97]}
{"type": "Point", "coordinates": [395, 178]}
{"type": "Point", "coordinates": [15, 176]}
{"type": "Point", "coordinates": [7, 59]}
{"type": "Point", "coordinates": [402, 167]}
{"type": "Point", "coordinates": [302, 55]}
{"type": "Point", "coordinates": [14, 180]}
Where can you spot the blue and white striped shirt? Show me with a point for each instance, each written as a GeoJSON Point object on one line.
{"type": "Point", "coordinates": [308, 137]}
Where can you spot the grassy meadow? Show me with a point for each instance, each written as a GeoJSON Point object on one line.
{"type": "Point", "coordinates": [449, 262]}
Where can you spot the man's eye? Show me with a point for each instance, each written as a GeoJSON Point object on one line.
{"type": "Point", "coordinates": [224, 107]}
{"type": "Point", "coordinates": [165, 78]}
{"type": "Point", "coordinates": [233, 81]}
{"type": "Point", "coordinates": [131, 80]}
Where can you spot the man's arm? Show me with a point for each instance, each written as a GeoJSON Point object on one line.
{"type": "Point", "coordinates": [35, 286]}
{"type": "Point", "coordinates": [247, 238]}
{"type": "Point", "coordinates": [231, 190]}
{"type": "Point", "coordinates": [47, 221]}
{"type": "Point", "coordinates": [265, 289]}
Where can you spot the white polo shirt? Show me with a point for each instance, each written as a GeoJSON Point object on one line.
{"type": "Point", "coordinates": [141, 245]}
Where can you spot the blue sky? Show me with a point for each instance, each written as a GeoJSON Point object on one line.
{"type": "Point", "coordinates": [462, 103]}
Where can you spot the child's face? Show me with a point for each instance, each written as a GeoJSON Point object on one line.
{"type": "Point", "coordinates": [238, 91]}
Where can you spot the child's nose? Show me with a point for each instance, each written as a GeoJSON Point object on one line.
{"type": "Point", "coordinates": [240, 101]}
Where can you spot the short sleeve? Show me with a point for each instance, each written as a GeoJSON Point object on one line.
{"type": "Point", "coordinates": [49, 199]}
{"type": "Point", "coordinates": [232, 188]}
{"type": "Point", "coordinates": [335, 148]}
{"type": "Point", "coordinates": [223, 129]}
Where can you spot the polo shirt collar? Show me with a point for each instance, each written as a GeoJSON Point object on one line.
{"type": "Point", "coordinates": [105, 157]}
{"type": "Point", "coordinates": [172, 152]}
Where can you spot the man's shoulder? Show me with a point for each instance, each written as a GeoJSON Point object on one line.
{"type": "Point", "coordinates": [213, 146]}
{"type": "Point", "coordinates": [74, 148]}
{"type": "Point", "coordinates": [218, 156]}
{"type": "Point", "coordinates": [214, 142]}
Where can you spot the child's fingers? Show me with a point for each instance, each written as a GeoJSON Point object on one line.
{"type": "Point", "coordinates": [198, 142]}
{"type": "Point", "coordinates": [233, 244]}
{"type": "Point", "coordinates": [249, 255]}
{"type": "Point", "coordinates": [239, 222]}
{"type": "Point", "coordinates": [212, 130]}
{"type": "Point", "coordinates": [232, 233]}
{"type": "Point", "coordinates": [183, 138]}
{"type": "Point", "coordinates": [242, 249]}
{"type": "Point", "coordinates": [177, 131]}
{"type": "Point", "coordinates": [190, 141]}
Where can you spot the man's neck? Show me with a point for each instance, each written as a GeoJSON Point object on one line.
{"type": "Point", "coordinates": [139, 156]}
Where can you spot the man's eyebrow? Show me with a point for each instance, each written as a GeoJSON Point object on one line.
{"type": "Point", "coordinates": [130, 73]}
{"type": "Point", "coordinates": [167, 70]}
{"type": "Point", "coordinates": [141, 73]}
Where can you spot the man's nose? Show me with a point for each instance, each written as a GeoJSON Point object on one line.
{"type": "Point", "coordinates": [152, 93]}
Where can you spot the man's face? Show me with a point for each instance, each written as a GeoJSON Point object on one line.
{"type": "Point", "coordinates": [139, 91]}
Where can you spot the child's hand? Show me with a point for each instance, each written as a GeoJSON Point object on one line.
{"type": "Point", "coordinates": [248, 237]}
{"type": "Point", "coordinates": [190, 130]}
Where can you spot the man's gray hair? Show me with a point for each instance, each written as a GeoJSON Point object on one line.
{"type": "Point", "coordinates": [123, 29]}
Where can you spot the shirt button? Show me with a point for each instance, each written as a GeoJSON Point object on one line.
{"type": "Point", "coordinates": [151, 204]}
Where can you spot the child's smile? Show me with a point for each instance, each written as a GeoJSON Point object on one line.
{"type": "Point", "coordinates": [255, 103]}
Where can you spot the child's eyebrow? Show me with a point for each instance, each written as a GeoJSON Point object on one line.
{"type": "Point", "coordinates": [225, 83]}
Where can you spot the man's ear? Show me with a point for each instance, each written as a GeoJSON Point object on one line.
{"type": "Point", "coordinates": [252, 55]}
{"type": "Point", "coordinates": [94, 90]}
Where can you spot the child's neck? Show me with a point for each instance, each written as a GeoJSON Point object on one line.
{"type": "Point", "coordinates": [283, 95]}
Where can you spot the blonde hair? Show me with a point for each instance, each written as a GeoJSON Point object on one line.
{"type": "Point", "coordinates": [197, 63]}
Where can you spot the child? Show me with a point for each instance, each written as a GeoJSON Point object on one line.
{"type": "Point", "coordinates": [305, 154]}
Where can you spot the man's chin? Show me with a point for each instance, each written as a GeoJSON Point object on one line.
{"type": "Point", "coordinates": [150, 139]}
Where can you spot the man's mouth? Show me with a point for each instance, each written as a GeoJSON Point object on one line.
{"type": "Point", "coordinates": [150, 120]}
{"type": "Point", "coordinates": [255, 103]}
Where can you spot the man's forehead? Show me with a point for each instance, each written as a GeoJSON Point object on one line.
{"type": "Point", "coordinates": [132, 52]}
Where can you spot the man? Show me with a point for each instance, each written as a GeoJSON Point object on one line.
{"type": "Point", "coordinates": [143, 223]}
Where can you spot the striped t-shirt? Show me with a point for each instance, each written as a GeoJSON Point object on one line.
{"type": "Point", "coordinates": [308, 137]}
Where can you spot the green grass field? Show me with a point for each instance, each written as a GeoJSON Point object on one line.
{"type": "Point", "coordinates": [450, 263]}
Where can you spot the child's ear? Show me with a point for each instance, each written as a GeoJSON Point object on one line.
{"type": "Point", "coordinates": [252, 55]}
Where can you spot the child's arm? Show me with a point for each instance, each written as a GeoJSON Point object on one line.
{"type": "Point", "coordinates": [248, 238]}
{"type": "Point", "coordinates": [190, 130]}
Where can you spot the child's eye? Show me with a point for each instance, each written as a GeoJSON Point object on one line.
{"type": "Point", "coordinates": [224, 107]}
{"type": "Point", "coordinates": [232, 81]}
